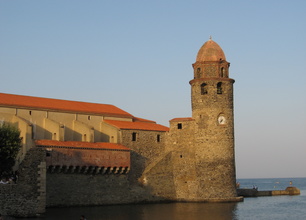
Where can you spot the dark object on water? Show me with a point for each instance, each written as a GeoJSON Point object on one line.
{"type": "Point", "coordinates": [254, 193]}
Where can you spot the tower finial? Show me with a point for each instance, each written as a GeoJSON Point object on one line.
{"type": "Point", "coordinates": [210, 37]}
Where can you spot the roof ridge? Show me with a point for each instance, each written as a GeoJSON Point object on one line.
{"type": "Point", "coordinates": [33, 102]}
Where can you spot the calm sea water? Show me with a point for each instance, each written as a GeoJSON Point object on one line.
{"type": "Point", "coordinates": [274, 207]}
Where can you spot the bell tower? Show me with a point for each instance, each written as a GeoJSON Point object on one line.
{"type": "Point", "coordinates": [198, 164]}
{"type": "Point", "coordinates": [212, 110]}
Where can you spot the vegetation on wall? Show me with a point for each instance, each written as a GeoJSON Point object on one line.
{"type": "Point", "coordinates": [10, 144]}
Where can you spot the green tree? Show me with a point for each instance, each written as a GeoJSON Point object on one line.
{"type": "Point", "coordinates": [10, 144]}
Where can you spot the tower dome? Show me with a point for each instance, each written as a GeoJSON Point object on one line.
{"type": "Point", "coordinates": [210, 51]}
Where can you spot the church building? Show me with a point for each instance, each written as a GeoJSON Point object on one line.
{"type": "Point", "coordinates": [99, 154]}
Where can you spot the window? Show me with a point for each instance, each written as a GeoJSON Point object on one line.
{"type": "Point", "coordinates": [89, 117]}
{"type": "Point", "coordinates": [219, 88]}
{"type": "Point", "coordinates": [179, 126]}
{"type": "Point", "coordinates": [158, 138]}
{"type": "Point", "coordinates": [203, 89]}
{"type": "Point", "coordinates": [30, 112]}
{"type": "Point", "coordinates": [48, 152]}
{"type": "Point", "coordinates": [222, 72]}
{"type": "Point", "coordinates": [134, 136]}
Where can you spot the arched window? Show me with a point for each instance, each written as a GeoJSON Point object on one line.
{"type": "Point", "coordinates": [222, 72]}
{"type": "Point", "coordinates": [219, 88]}
{"type": "Point", "coordinates": [203, 89]}
{"type": "Point", "coordinates": [198, 74]}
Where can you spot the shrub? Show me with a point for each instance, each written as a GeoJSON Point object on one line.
{"type": "Point", "coordinates": [10, 144]}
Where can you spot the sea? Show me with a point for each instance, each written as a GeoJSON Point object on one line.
{"type": "Point", "coordinates": [262, 208]}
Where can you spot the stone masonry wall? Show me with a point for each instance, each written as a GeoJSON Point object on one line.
{"type": "Point", "coordinates": [28, 197]}
{"type": "Point", "coordinates": [89, 190]}
{"type": "Point", "coordinates": [144, 150]}
{"type": "Point", "coordinates": [214, 142]}
{"type": "Point", "coordinates": [72, 189]}
{"type": "Point", "coordinates": [159, 179]}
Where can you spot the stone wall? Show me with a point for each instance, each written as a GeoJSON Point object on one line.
{"type": "Point", "coordinates": [145, 149]}
{"type": "Point", "coordinates": [89, 190]}
{"type": "Point", "coordinates": [158, 178]}
{"type": "Point", "coordinates": [27, 197]}
{"type": "Point", "coordinates": [109, 188]}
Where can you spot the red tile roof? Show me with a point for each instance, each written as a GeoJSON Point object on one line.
{"type": "Point", "coordinates": [79, 144]}
{"type": "Point", "coordinates": [143, 120]}
{"type": "Point", "coordinates": [31, 102]}
{"type": "Point", "coordinates": [182, 119]}
{"type": "Point", "coordinates": [137, 125]}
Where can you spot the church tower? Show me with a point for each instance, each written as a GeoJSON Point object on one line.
{"type": "Point", "coordinates": [198, 163]}
{"type": "Point", "coordinates": [212, 111]}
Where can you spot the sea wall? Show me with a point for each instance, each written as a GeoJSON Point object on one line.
{"type": "Point", "coordinates": [27, 197]}
{"type": "Point", "coordinates": [89, 190]}
{"type": "Point", "coordinates": [254, 193]}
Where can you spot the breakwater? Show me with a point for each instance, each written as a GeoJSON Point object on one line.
{"type": "Point", "coordinates": [255, 193]}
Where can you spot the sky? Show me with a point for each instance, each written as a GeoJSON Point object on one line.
{"type": "Point", "coordinates": [138, 56]}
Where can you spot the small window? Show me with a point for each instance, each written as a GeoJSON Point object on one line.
{"type": "Point", "coordinates": [30, 112]}
{"type": "Point", "coordinates": [134, 136]}
{"type": "Point", "coordinates": [219, 88]}
{"type": "Point", "coordinates": [89, 117]}
{"type": "Point", "coordinates": [158, 138]}
{"type": "Point", "coordinates": [203, 88]}
{"type": "Point", "coordinates": [222, 72]}
{"type": "Point", "coordinates": [198, 73]}
{"type": "Point", "coordinates": [179, 126]}
{"type": "Point", "coordinates": [48, 152]}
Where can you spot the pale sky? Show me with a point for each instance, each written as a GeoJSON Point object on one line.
{"type": "Point", "coordinates": [137, 55]}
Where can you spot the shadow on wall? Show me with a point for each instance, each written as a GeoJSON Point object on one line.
{"type": "Point", "coordinates": [87, 161]}
{"type": "Point", "coordinates": [63, 133]}
{"type": "Point", "coordinates": [138, 163]}
{"type": "Point", "coordinates": [83, 186]}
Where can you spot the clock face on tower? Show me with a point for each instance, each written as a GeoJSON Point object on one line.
{"type": "Point", "coordinates": [221, 120]}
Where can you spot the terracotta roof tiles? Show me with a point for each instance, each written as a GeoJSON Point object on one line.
{"type": "Point", "coordinates": [149, 126]}
{"type": "Point", "coordinates": [20, 101]}
{"type": "Point", "coordinates": [143, 120]}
